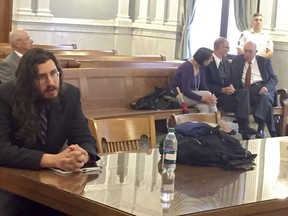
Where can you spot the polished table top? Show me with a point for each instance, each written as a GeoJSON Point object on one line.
{"type": "Point", "coordinates": [130, 184]}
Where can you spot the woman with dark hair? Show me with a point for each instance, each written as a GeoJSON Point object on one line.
{"type": "Point", "coordinates": [190, 78]}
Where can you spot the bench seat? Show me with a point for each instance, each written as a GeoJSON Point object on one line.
{"type": "Point", "coordinates": [109, 92]}
{"type": "Point", "coordinates": [122, 112]}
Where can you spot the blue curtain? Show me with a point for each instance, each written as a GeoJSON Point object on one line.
{"type": "Point", "coordinates": [188, 16]}
{"type": "Point", "coordinates": [244, 11]}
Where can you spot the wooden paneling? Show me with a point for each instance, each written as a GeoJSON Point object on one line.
{"type": "Point", "coordinates": [5, 19]}
{"type": "Point", "coordinates": [109, 92]}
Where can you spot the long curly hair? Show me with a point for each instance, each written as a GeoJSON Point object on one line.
{"type": "Point", "coordinates": [26, 95]}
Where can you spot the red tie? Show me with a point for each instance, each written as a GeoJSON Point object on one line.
{"type": "Point", "coordinates": [248, 77]}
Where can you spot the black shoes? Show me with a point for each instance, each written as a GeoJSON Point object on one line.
{"type": "Point", "coordinates": [260, 134]}
{"type": "Point", "coordinates": [273, 134]}
{"type": "Point", "coordinates": [247, 132]}
{"type": "Point", "coordinates": [251, 131]}
{"type": "Point", "coordinates": [245, 136]}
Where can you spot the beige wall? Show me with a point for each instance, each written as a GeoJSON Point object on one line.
{"type": "Point", "coordinates": [129, 36]}
{"type": "Point", "coordinates": [116, 31]}
{"type": "Point", "coordinates": [280, 63]}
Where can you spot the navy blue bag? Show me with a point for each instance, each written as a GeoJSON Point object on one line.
{"type": "Point", "coordinates": [203, 145]}
{"type": "Point", "coordinates": [193, 129]}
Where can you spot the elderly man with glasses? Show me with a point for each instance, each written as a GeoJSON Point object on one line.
{"type": "Point", "coordinates": [219, 81]}
{"type": "Point", "coordinates": [20, 42]}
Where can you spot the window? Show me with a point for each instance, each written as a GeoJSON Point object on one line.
{"type": "Point", "coordinates": [205, 28]}
{"type": "Point", "coordinates": [233, 33]}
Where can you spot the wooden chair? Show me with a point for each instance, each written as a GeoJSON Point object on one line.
{"type": "Point", "coordinates": [124, 134]}
{"type": "Point", "coordinates": [281, 112]}
{"type": "Point", "coordinates": [196, 117]}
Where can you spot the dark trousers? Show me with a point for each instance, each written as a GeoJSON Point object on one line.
{"type": "Point", "coordinates": [13, 205]}
{"type": "Point", "coordinates": [238, 103]}
{"type": "Point", "coordinates": [263, 109]}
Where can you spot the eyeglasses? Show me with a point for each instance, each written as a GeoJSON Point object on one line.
{"type": "Point", "coordinates": [44, 77]}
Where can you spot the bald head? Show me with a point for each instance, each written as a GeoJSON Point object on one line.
{"type": "Point", "coordinates": [250, 50]}
{"type": "Point", "coordinates": [20, 40]}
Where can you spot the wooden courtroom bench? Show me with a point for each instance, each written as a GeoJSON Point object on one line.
{"type": "Point", "coordinates": [139, 64]}
{"type": "Point", "coordinates": [5, 48]}
{"type": "Point", "coordinates": [82, 52]}
{"type": "Point", "coordinates": [145, 58]}
{"type": "Point", "coordinates": [56, 46]}
{"type": "Point", "coordinates": [68, 63]}
{"type": "Point", "coordinates": [109, 92]}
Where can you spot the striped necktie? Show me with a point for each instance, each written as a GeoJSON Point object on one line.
{"type": "Point", "coordinates": [43, 124]}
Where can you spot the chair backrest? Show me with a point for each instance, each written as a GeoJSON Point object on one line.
{"type": "Point", "coordinates": [124, 134]}
{"type": "Point", "coordinates": [196, 117]}
{"type": "Point", "coordinates": [282, 95]}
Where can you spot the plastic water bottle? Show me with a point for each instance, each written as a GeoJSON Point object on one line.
{"type": "Point", "coordinates": [169, 151]}
{"type": "Point", "coordinates": [167, 190]}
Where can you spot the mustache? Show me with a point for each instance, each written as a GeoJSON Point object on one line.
{"type": "Point", "coordinates": [51, 88]}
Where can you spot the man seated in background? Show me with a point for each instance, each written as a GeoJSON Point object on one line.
{"type": "Point", "coordinates": [263, 40]}
{"type": "Point", "coordinates": [254, 73]}
{"type": "Point", "coordinates": [39, 115]}
{"type": "Point", "coordinates": [20, 42]}
{"type": "Point", "coordinates": [218, 79]}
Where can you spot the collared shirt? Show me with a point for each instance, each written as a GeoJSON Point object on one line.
{"type": "Point", "coordinates": [217, 60]}
{"type": "Point", "coordinates": [261, 39]}
{"type": "Point", "coordinates": [255, 72]}
{"type": "Point", "coordinates": [19, 54]}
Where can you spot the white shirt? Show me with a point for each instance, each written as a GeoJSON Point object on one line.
{"type": "Point", "coordinates": [261, 39]}
{"type": "Point", "coordinates": [217, 60]}
{"type": "Point", "coordinates": [19, 54]}
{"type": "Point", "coordinates": [255, 72]}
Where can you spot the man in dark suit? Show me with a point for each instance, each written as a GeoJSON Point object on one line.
{"type": "Point", "coordinates": [218, 79]}
{"type": "Point", "coordinates": [41, 126]}
{"type": "Point", "coordinates": [20, 42]}
{"type": "Point", "coordinates": [255, 73]}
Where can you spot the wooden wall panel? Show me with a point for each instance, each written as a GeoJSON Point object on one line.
{"type": "Point", "coordinates": [5, 19]}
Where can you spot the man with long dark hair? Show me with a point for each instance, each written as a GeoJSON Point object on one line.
{"type": "Point", "coordinates": [39, 115]}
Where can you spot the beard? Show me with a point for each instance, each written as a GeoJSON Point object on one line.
{"type": "Point", "coordinates": [43, 100]}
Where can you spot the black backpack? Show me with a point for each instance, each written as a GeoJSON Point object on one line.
{"type": "Point", "coordinates": [214, 148]}
{"type": "Point", "coordinates": [161, 98]}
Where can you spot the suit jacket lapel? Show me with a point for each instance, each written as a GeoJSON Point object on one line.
{"type": "Point", "coordinates": [261, 69]}
{"type": "Point", "coordinates": [15, 58]}
{"type": "Point", "coordinates": [215, 70]}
